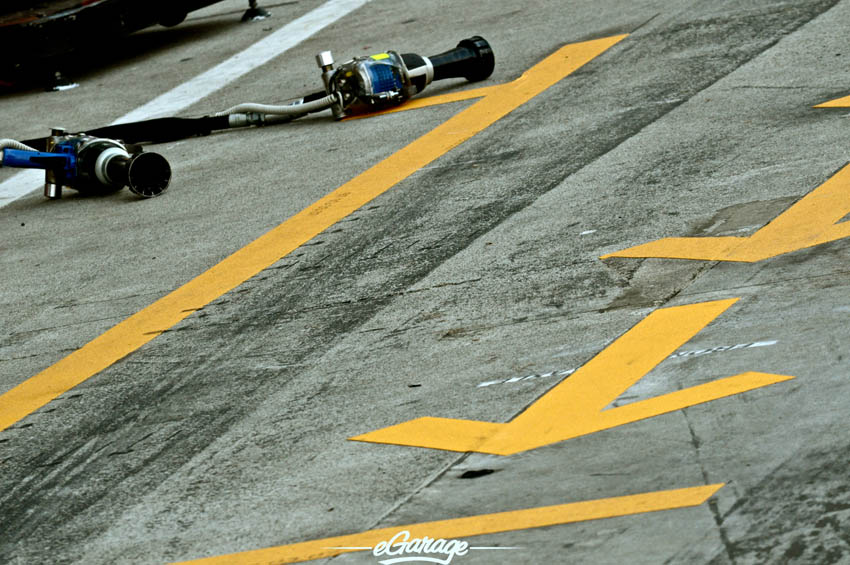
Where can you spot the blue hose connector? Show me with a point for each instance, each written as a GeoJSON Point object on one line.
{"type": "Point", "coordinates": [66, 162]}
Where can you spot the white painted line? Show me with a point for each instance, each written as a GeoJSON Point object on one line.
{"type": "Point", "coordinates": [679, 355]}
{"type": "Point", "coordinates": [20, 184]}
{"type": "Point", "coordinates": [698, 352]}
{"type": "Point", "coordinates": [242, 63]}
{"type": "Point", "coordinates": [563, 373]}
{"type": "Point", "coordinates": [206, 83]}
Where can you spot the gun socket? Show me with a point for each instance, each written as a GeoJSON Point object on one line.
{"type": "Point", "coordinates": [472, 59]}
{"type": "Point", "coordinates": [146, 174]}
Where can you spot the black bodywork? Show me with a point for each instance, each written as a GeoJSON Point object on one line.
{"type": "Point", "coordinates": [39, 35]}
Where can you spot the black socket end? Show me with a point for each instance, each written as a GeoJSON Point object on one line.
{"type": "Point", "coordinates": [485, 61]}
{"type": "Point", "coordinates": [472, 59]}
{"type": "Point", "coordinates": [146, 174]}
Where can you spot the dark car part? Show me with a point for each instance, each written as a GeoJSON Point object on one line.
{"type": "Point", "coordinates": [47, 35]}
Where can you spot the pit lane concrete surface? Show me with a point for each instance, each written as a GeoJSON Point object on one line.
{"type": "Point", "coordinates": [595, 313]}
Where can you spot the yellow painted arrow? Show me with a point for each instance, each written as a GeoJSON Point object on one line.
{"type": "Point", "coordinates": [577, 406]}
{"type": "Point", "coordinates": [814, 220]}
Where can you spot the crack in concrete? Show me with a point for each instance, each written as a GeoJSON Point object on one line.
{"type": "Point", "coordinates": [712, 503]}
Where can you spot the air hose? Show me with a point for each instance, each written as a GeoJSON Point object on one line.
{"type": "Point", "coordinates": [295, 109]}
{"type": "Point", "coordinates": [12, 144]}
{"type": "Point", "coordinates": [362, 84]}
{"type": "Point", "coordinates": [100, 160]}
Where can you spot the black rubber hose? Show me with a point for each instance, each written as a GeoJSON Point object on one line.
{"type": "Point", "coordinates": [157, 130]}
